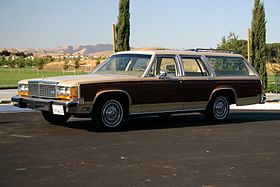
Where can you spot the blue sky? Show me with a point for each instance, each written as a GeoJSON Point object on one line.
{"type": "Point", "coordinates": [154, 23]}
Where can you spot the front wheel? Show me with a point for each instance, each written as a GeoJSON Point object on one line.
{"type": "Point", "coordinates": [218, 109]}
{"type": "Point", "coordinates": [108, 115]}
{"type": "Point", "coordinates": [55, 119]}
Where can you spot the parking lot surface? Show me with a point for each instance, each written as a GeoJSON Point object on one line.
{"type": "Point", "coordinates": [178, 151]}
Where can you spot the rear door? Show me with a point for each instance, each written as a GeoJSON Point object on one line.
{"type": "Point", "coordinates": [197, 83]}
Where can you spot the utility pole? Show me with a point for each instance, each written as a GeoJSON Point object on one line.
{"type": "Point", "coordinates": [114, 37]}
{"type": "Point", "coordinates": [249, 45]}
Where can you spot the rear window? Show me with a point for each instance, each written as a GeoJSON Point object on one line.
{"type": "Point", "coordinates": [230, 66]}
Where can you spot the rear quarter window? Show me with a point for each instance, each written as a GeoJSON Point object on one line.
{"type": "Point", "coordinates": [230, 66]}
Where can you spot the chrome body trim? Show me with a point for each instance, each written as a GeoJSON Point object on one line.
{"type": "Point", "coordinates": [110, 91]}
{"type": "Point", "coordinates": [179, 64]}
{"type": "Point", "coordinates": [168, 107]}
{"type": "Point", "coordinates": [236, 78]}
{"type": "Point", "coordinates": [42, 82]}
{"type": "Point", "coordinates": [208, 67]}
{"type": "Point", "coordinates": [223, 88]}
{"type": "Point", "coordinates": [169, 111]}
{"type": "Point", "coordinates": [161, 107]}
{"type": "Point", "coordinates": [135, 109]}
{"type": "Point", "coordinates": [194, 105]}
{"type": "Point", "coordinates": [148, 68]}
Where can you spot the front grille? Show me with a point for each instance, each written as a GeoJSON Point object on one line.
{"type": "Point", "coordinates": [42, 90]}
{"type": "Point", "coordinates": [33, 90]}
{"type": "Point", "coordinates": [47, 90]}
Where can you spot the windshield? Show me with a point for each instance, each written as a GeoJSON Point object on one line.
{"type": "Point", "coordinates": [125, 64]}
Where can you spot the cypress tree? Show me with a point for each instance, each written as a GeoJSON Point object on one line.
{"type": "Point", "coordinates": [123, 27]}
{"type": "Point", "coordinates": [259, 52]}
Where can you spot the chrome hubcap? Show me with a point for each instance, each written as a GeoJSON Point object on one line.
{"type": "Point", "coordinates": [220, 108]}
{"type": "Point", "coordinates": [112, 113]}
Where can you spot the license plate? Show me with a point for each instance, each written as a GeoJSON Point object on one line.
{"type": "Point", "coordinates": [58, 110]}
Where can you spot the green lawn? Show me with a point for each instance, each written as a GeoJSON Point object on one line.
{"type": "Point", "coordinates": [9, 78]}
{"type": "Point", "coordinates": [271, 83]}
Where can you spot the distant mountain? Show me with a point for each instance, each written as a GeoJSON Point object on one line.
{"type": "Point", "coordinates": [68, 49]}
{"type": "Point", "coordinates": [82, 49]}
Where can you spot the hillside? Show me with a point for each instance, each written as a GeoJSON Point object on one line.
{"type": "Point", "coordinates": [66, 50]}
{"type": "Point", "coordinates": [82, 49]}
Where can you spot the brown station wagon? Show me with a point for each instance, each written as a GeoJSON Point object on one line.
{"type": "Point", "coordinates": [146, 82]}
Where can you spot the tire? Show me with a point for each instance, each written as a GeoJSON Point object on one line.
{"type": "Point", "coordinates": [108, 115]}
{"type": "Point", "coordinates": [218, 108]}
{"type": "Point", "coordinates": [55, 119]}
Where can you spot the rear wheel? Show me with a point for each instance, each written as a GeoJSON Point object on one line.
{"type": "Point", "coordinates": [55, 119]}
{"type": "Point", "coordinates": [108, 115]}
{"type": "Point", "coordinates": [218, 108]}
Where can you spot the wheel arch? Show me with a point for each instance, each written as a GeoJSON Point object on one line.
{"type": "Point", "coordinates": [118, 94]}
{"type": "Point", "coordinates": [229, 92]}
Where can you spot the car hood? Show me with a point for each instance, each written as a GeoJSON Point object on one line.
{"type": "Point", "coordinates": [83, 79]}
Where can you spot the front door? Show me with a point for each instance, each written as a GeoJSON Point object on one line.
{"type": "Point", "coordinates": [162, 88]}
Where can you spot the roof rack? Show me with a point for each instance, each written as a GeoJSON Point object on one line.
{"type": "Point", "coordinates": [215, 50]}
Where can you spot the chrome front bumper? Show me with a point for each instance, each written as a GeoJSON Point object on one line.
{"type": "Point", "coordinates": [44, 104]}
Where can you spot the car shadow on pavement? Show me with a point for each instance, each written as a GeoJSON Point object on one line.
{"type": "Point", "coordinates": [179, 121]}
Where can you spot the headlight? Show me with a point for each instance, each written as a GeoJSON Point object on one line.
{"type": "Point", "coordinates": [68, 93]}
{"type": "Point", "coordinates": [23, 89]}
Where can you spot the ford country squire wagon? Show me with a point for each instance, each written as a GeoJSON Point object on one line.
{"type": "Point", "coordinates": [146, 82]}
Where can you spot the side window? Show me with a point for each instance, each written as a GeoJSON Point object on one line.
{"type": "Point", "coordinates": [193, 67]}
{"type": "Point", "coordinates": [165, 64]}
{"type": "Point", "coordinates": [229, 66]}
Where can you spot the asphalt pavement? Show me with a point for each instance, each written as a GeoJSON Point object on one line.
{"type": "Point", "coordinates": [179, 151]}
